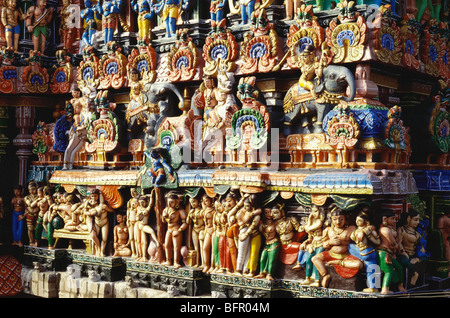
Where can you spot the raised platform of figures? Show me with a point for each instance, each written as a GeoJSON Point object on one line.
{"type": "Point", "coordinates": [230, 286]}
{"type": "Point", "coordinates": [186, 280]}
{"type": "Point", "coordinates": [51, 259]}
{"type": "Point", "coordinates": [109, 268]}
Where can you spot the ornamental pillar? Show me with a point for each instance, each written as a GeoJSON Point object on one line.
{"type": "Point", "coordinates": [23, 141]}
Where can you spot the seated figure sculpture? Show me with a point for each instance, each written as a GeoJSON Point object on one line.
{"type": "Point", "coordinates": [336, 240]}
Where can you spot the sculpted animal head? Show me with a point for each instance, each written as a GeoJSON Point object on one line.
{"type": "Point", "coordinates": [336, 79]}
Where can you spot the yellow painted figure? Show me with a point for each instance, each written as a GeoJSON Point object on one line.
{"type": "Point", "coordinates": [145, 17]}
{"type": "Point", "coordinates": [169, 11]}
{"type": "Point", "coordinates": [10, 18]}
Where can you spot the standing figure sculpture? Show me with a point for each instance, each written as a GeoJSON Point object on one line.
{"type": "Point", "coordinates": [44, 203]}
{"type": "Point", "coordinates": [31, 210]}
{"type": "Point", "coordinates": [269, 255]}
{"type": "Point", "coordinates": [218, 260]}
{"type": "Point", "coordinates": [169, 11]}
{"type": "Point", "coordinates": [10, 17]}
{"type": "Point", "coordinates": [387, 253]}
{"type": "Point", "coordinates": [175, 217]}
{"type": "Point", "coordinates": [336, 240]}
{"type": "Point", "coordinates": [230, 251]}
{"type": "Point", "coordinates": [37, 21]}
{"type": "Point", "coordinates": [248, 218]}
{"type": "Point", "coordinates": [109, 10]}
{"type": "Point", "coordinates": [146, 203]}
{"type": "Point", "coordinates": [146, 14]}
{"type": "Point", "coordinates": [18, 210]}
{"type": "Point", "coordinates": [312, 245]}
{"type": "Point", "coordinates": [366, 239]}
{"type": "Point", "coordinates": [132, 205]}
{"type": "Point", "coordinates": [96, 213]}
{"type": "Point", "coordinates": [409, 238]}
{"type": "Point", "coordinates": [291, 7]}
{"type": "Point", "coordinates": [66, 32]}
{"type": "Point", "coordinates": [216, 9]}
{"type": "Point", "coordinates": [208, 217]}
{"type": "Point", "coordinates": [88, 14]}
{"type": "Point", "coordinates": [195, 216]}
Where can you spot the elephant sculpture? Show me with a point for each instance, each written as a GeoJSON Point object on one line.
{"type": "Point", "coordinates": [301, 109]}
{"type": "Point", "coordinates": [153, 105]}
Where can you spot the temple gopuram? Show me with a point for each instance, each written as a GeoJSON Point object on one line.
{"type": "Point", "coordinates": [224, 149]}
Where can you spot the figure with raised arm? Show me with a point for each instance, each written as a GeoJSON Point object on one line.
{"type": "Point", "coordinates": [37, 22]}
{"type": "Point", "coordinates": [96, 213]}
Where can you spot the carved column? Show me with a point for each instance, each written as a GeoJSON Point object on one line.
{"type": "Point", "coordinates": [23, 141]}
{"type": "Point", "coordinates": [3, 126]}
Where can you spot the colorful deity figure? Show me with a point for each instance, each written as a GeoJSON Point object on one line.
{"type": "Point", "coordinates": [249, 138]}
{"type": "Point", "coordinates": [61, 74]}
{"type": "Point", "coordinates": [387, 251]}
{"type": "Point", "coordinates": [336, 241]}
{"type": "Point", "coordinates": [219, 239]}
{"type": "Point", "coordinates": [146, 14]}
{"type": "Point", "coordinates": [310, 69]}
{"type": "Point", "coordinates": [312, 246]}
{"type": "Point", "coordinates": [175, 218]}
{"type": "Point", "coordinates": [18, 211]}
{"type": "Point", "coordinates": [246, 7]}
{"type": "Point", "coordinates": [37, 21]}
{"type": "Point", "coordinates": [169, 11]}
{"type": "Point", "coordinates": [354, 26]}
{"type": "Point", "coordinates": [270, 252]}
{"type": "Point", "coordinates": [366, 240]}
{"type": "Point", "coordinates": [66, 32]}
{"type": "Point", "coordinates": [109, 9]}
{"type": "Point", "coordinates": [113, 67]}
{"type": "Point", "coordinates": [249, 244]}
{"type": "Point", "coordinates": [34, 75]}
{"type": "Point", "coordinates": [216, 9]}
{"type": "Point", "coordinates": [183, 59]}
{"type": "Point", "coordinates": [159, 170]}
{"type": "Point", "coordinates": [287, 228]}
{"type": "Point", "coordinates": [10, 17]}
{"type": "Point", "coordinates": [89, 15]}
{"type": "Point", "coordinates": [260, 47]}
